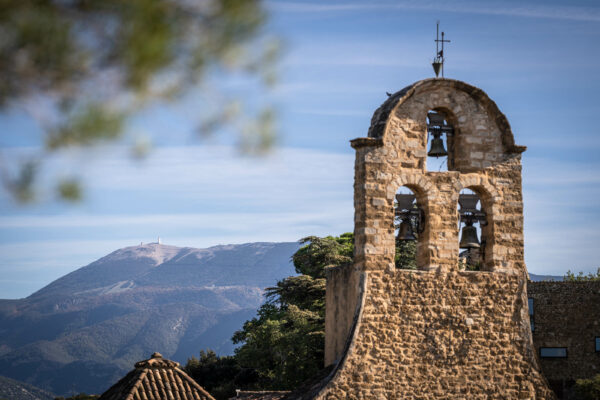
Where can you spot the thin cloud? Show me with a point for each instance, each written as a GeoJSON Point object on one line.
{"type": "Point", "coordinates": [552, 172]}
{"type": "Point", "coordinates": [349, 58]}
{"type": "Point", "coordinates": [213, 172]}
{"type": "Point", "coordinates": [574, 13]}
{"type": "Point", "coordinates": [333, 112]}
{"type": "Point", "coordinates": [295, 88]}
{"type": "Point", "coordinates": [197, 220]}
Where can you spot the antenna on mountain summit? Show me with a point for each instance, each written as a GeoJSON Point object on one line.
{"type": "Point", "coordinates": [159, 240]}
{"type": "Point", "coordinates": [438, 61]}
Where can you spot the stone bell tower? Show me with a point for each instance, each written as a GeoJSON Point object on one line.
{"type": "Point", "coordinates": [440, 331]}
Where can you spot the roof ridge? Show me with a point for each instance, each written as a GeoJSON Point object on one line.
{"type": "Point", "coordinates": [156, 378]}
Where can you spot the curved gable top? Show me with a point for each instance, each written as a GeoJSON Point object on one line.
{"type": "Point", "coordinates": [381, 117]}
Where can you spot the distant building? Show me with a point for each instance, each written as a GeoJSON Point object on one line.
{"type": "Point", "coordinates": [565, 321]}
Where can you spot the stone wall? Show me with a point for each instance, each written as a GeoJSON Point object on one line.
{"type": "Point", "coordinates": [432, 335]}
{"type": "Point", "coordinates": [436, 333]}
{"type": "Point", "coordinates": [567, 314]}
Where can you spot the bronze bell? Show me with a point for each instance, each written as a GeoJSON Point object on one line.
{"type": "Point", "coordinates": [437, 147]}
{"type": "Point", "coordinates": [468, 239]}
{"type": "Point", "coordinates": [406, 231]}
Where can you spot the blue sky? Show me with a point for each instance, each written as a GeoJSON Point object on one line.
{"type": "Point", "coordinates": [537, 60]}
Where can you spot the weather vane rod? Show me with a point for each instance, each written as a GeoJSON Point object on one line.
{"type": "Point", "coordinates": [438, 61]}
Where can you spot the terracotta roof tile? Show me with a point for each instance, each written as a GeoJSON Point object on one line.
{"type": "Point", "coordinates": [156, 379]}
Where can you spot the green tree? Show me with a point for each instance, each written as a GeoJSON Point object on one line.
{"type": "Point", "coordinates": [220, 376]}
{"type": "Point", "coordinates": [319, 253]}
{"type": "Point", "coordinates": [80, 396]}
{"type": "Point", "coordinates": [284, 344]}
{"type": "Point", "coordinates": [580, 277]}
{"type": "Point", "coordinates": [588, 389]}
{"type": "Point", "coordinates": [81, 68]}
{"type": "Point", "coordinates": [406, 254]}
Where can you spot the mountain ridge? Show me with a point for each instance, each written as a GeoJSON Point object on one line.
{"type": "Point", "coordinates": [84, 330]}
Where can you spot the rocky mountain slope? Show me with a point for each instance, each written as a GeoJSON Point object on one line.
{"type": "Point", "coordinates": [85, 330]}
{"type": "Point", "coordinates": [15, 390]}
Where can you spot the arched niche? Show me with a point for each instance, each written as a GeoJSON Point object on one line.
{"type": "Point", "coordinates": [442, 127]}
{"type": "Point", "coordinates": [475, 228]}
{"type": "Point", "coordinates": [409, 227]}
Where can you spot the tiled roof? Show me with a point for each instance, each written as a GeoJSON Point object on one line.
{"type": "Point", "coordinates": [156, 379]}
{"type": "Point", "coordinates": [259, 395]}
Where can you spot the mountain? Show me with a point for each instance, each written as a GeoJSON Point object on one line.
{"type": "Point", "coordinates": [84, 331]}
{"type": "Point", "coordinates": [15, 390]}
{"type": "Point", "coordinates": [540, 278]}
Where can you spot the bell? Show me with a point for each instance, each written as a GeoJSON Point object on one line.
{"type": "Point", "coordinates": [468, 239]}
{"type": "Point", "coordinates": [406, 232]}
{"type": "Point", "coordinates": [436, 67]}
{"type": "Point", "coordinates": [437, 147]}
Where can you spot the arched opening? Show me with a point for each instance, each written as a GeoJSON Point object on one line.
{"type": "Point", "coordinates": [409, 223]}
{"type": "Point", "coordinates": [440, 132]}
{"type": "Point", "coordinates": [472, 232]}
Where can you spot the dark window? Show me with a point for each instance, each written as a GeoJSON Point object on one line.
{"type": "Point", "coordinates": [597, 343]}
{"type": "Point", "coordinates": [530, 304]}
{"type": "Point", "coordinates": [553, 352]}
{"type": "Point", "coordinates": [532, 323]}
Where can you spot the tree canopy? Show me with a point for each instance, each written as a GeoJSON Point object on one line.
{"type": "Point", "coordinates": [284, 344]}
{"type": "Point", "coordinates": [80, 396]}
{"type": "Point", "coordinates": [219, 375]}
{"type": "Point", "coordinates": [81, 68]}
{"type": "Point", "coordinates": [581, 277]}
{"type": "Point", "coordinates": [588, 389]}
{"type": "Point", "coordinates": [319, 253]}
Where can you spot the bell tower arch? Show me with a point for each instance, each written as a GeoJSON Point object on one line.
{"type": "Point", "coordinates": [440, 331]}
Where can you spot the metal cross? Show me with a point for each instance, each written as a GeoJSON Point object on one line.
{"type": "Point", "coordinates": [440, 54]}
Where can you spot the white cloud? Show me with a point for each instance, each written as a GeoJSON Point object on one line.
{"type": "Point", "coordinates": [223, 220]}
{"type": "Point", "coordinates": [334, 112]}
{"type": "Point", "coordinates": [319, 87]}
{"type": "Point", "coordinates": [575, 13]}
{"type": "Point", "coordinates": [297, 177]}
{"type": "Point", "coordinates": [536, 171]}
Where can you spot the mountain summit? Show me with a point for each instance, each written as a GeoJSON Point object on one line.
{"type": "Point", "coordinates": [84, 330]}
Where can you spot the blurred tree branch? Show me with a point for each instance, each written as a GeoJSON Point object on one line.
{"type": "Point", "coordinates": [81, 68]}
